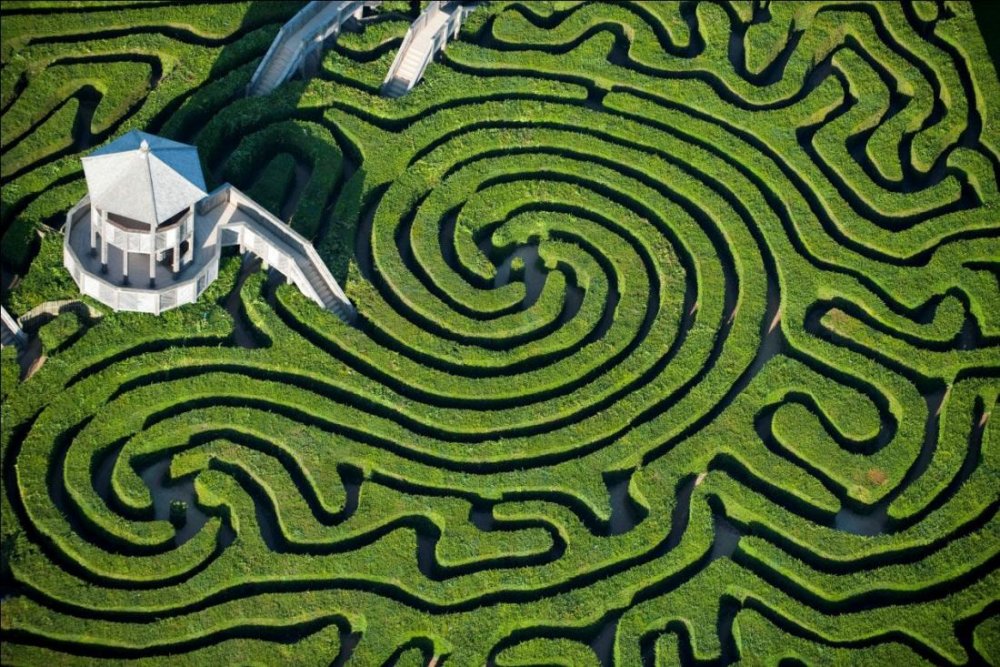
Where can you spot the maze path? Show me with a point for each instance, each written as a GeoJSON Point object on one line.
{"type": "Point", "coordinates": [677, 342]}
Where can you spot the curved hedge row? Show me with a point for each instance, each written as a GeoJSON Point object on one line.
{"type": "Point", "coordinates": [677, 341]}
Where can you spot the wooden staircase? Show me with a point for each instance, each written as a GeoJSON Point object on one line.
{"type": "Point", "coordinates": [256, 230]}
{"type": "Point", "coordinates": [302, 36]}
{"type": "Point", "coordinates": [428, 35]}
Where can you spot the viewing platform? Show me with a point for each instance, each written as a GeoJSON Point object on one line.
{"type": "Point", "coordinates": [147, 238]}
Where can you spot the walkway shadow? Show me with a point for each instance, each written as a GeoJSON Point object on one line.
{"type": "Point", "coordinates": [228, 76]}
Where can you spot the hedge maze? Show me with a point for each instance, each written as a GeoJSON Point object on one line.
{"type": "Point", "coordinates": [677, 342]}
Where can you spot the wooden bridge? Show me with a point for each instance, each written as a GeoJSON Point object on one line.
{"type": "Point", "coordinates": [254, 229]}
{"type": "Point", "coordinates": [301, 39]}
{"type": "Point", "coordinates": [429, 34]}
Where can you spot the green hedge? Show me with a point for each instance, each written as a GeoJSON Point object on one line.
{"type": "Point", "coordinates": [59, 332]}
{"type": "Point", "coordinates": [768, 327]}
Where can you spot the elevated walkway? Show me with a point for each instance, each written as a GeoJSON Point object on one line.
{"type": "Point", "coordinates": [10, 330]}
{"type": "Point", "coordinates": [253, 228]}
{"type": "Point", "coordinates": [429, 34]}
{"type": "Point", "coordinates": [223, 218]}
{"type": "Point", "coordinates": [301, 38]}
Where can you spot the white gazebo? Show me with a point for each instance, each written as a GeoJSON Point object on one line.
{"type": "Point", "coordinates": [143, 189]}
{"type": "Point", "coordinates": [148, 238]}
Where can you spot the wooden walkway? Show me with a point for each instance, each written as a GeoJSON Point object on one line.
{"type": "Point", "coordinates": [256, 230]}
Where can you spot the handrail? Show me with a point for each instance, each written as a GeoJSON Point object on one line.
{"type": "Point", "coordinates": [302, 17]}
{"type": "Point", "coordinates": [293, 239]}
{"type": "Point", "coordinates": [13, 326]}
{"type": "Point", "coordinates": [340, 9]}
{"type": "Point", "coordinates": [400, 55]}
{"type": "Point", "coordinates": [411, 32]}
{"type": "Point", "coordinates": [437, 40]}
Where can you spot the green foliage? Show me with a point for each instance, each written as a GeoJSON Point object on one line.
{"type": "Point", "coordinates": [293, 141]}
{"type": "Point", "coordinates": [748, 407]}
{"type": "Point", "coordinates": [57, 333]}
{"type": "Point", "coordinates": [10, 370]}
{"type": "Point", "coordinates": [46, 280]}
{"type": "Point", "coordinates": [274, 182]}
{"type": "Point", "coordinates": [19, 243]}
{"type": "Point", "coordinates": [41, 172]}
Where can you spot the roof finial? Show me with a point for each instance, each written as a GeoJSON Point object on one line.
{"type": "Point", "coordinates": [144, 146]}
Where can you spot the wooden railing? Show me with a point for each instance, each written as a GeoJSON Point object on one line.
{"type": "Point", "coordinates": [11, 329]}
{"type": "Point", "coordinates": [294, 259]}
{"type": "Point", "coordinates": [121, 297]}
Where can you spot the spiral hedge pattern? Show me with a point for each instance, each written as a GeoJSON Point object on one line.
{"type": "Point", "coordinates": [677, 342]}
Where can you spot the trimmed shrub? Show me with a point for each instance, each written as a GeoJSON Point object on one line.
{"type": "Point", "coordinates": [59, 332]}
{"type": "Point", "coordinates": [730, 400]}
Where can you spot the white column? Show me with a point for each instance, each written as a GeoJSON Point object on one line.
{"type": "Point", "coordinates": [125, 262]}
{"type": "Point", "coordinates": [177, 250]}
{"type": "Point", "coordinates": [152, 254]}
{"type": "Point", "coordinates": [94, 220]}
{"type": "Point", "coordinates": [189, 255]}
{"type": "Point", "coordinates": [104, 243]}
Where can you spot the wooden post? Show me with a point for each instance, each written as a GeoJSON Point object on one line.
{"type": "Point", "coordinates": [189, 255]}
